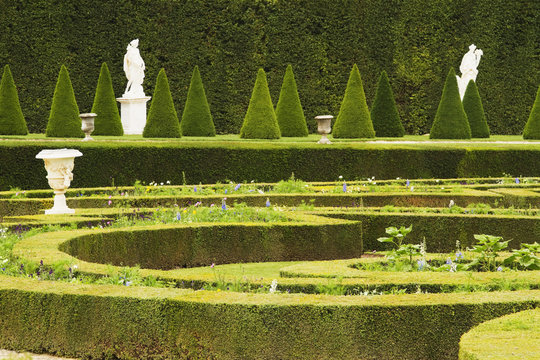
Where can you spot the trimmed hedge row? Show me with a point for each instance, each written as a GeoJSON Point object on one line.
{"type": "Point", "coordinates": [414, 41]}
{"type": "Point", "coordinates": [205, 162]}
{"type": "Point", "coordinates": [510, 337]}
{"type": "Point", "coordinates": [171, 247]}
{"type": "Point", "coordinates": [442, 230]}
{"type": "Point", "coordinates": [124, 322]}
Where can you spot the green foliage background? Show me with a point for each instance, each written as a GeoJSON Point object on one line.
{"type": "Point", "coordinates": [415, 41]}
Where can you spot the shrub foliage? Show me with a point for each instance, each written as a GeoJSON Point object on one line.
{"type": "Point", "coordinates": [11, 117]}
{"type": "Point", "coordinates": [384, 113]}
{"type": "Point", "coordinates": [197, 119]}
{"type": "Point", "coordinates": [472, 104]}
{"type": "Point", "coordinates": [260, 121]}
{"type": "Point", "coordinates": [353, 120]}
{"type": "Point", "coordinates": [162, 121]}
{"type": "Point", "coordinates": [64, 120]}
{"type": "Point", "coordinates": [450, 121]}
{"type": "Point", "coordinates": [289, 112]}
{"type": "Point", "coordinates": [532, 128]}
{"type": "Point", "coordinates": [105, 106]}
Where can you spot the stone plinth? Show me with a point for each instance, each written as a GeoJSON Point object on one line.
{"type": "Point", "coordinates": [133, 114]}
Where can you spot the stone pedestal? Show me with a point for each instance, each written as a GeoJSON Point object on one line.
{"type": "Point", "coordinates": [133, 114]}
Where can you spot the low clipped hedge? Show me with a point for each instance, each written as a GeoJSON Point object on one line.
{"type": "Point", "coordinates": [442, 230]}
{"type": "Point", "coordinates": [511, 337]}
{"type": "Point", "coordinates": [206, 162]}
{"type": "Point", "coordinates": [180, 246]}
{"type": "Point", "coordinates": [125, 322]}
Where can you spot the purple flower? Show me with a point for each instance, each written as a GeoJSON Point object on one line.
{"type": "Point", "coordinates": [212, 266]}
{"type": "Point", "coordinates": [225, 191]}
{"type": "Point", "coordinates": [267, 202]}
{"type": "Point", "coordinates": [178, 216]}
{"type": "Point", "coordinates": [407, 183]}
{"type": "Point", "coordinates": [237, 187]}
{"type": "Point", "coordinates": [223, 204]}
{"type": "Point", "coordinates": [195, 189]}
{"type": "Point", "coordinates": [499, 268]}
{"type": "Point", "coordinates": [344, 187]}
{"type": "Point", "coordinates": [110, 202]}
{"type": "Point", "coordinates": [517, 180]}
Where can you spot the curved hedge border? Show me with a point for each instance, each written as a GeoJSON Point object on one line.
{"type": "Point", "coordinates": [511, 337]}
{"type": "Point", "coordinates": [190, 245]}
{"type": "Point", "coordinates": [125, 322]}
{"type": "Point", "coordinates": [212, 161]}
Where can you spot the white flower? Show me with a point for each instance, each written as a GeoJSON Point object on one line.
{"type": "Point", "coordinates": [412, 188]}
{"type": "Point", "coordinates": [161, 184]}
{"type": "Point", "coordinates": [340, 177]}
{"type": "Point", "coordinates": [75, 267]}
{"type": "Point", "coordinates": [168, 182]}
{"type": "Point", "coordinates": [260, 191]}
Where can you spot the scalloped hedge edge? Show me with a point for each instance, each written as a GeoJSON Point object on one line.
{"type": "Point", "coordinates": [510, 337]}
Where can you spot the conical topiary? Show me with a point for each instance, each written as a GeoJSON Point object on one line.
{"type": "Point", "coordinates": [260, 121]}
{"type": "Point", "coordinates": [162, 121]}
{"type": "Point", "coordinates": [353, 120]}
{"type": "Point", "coordinates": [472, 104]}
{"type": "Point", "coordinates": [108, 120]}
{"type": "Point", "coordinates": [384, 113]}
{"type": "Point", "coordinates": [64, 120]}
{"type": "Point", "coordinates": [196, 118]}
{"type": "Point", "coordinates": [11, 117]}
{"type": "Point", "coordinates": [450, 120]}
{"type": "Point", "coordinates": [532, 128]}
{"type": "Point", "coordinates": [289, 112]}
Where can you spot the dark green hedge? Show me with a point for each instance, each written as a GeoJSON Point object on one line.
{"type": "Point", "coordinates": [202, 245]}
{"type": "Point", "coordinates": [206, 162]}
{"type": "Point", "coordinates": [442, 230]}
{"type": "Point", "coordinates": [138, 323]}
{"type": "Point", "coordinates": [415, 41]}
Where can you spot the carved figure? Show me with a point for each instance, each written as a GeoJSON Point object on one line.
{"type": "Point", "coordinates": [468, 66]}
{"type": "Point", "coordinates": [134, 69]}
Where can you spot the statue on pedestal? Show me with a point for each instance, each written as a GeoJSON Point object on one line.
{"type": "Point", "coordinates": [468, 66]}
{"type": "Point", "coordinates": [134, 69]}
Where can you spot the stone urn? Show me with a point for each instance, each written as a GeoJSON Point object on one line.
{"type": "Point", "coordinates": [324, 127]}
{"type": "Point", "coordinates": [59, 164]}
{"type": "Point", "coordinates": [87, 120]}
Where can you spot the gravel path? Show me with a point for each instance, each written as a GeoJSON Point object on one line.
{"type": "Point", "coordinates": [12, 355]}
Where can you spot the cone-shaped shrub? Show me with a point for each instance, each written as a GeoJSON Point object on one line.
{"type": "Point", "coordinates": [289, 112]}
{"type": "Point", "coordinates": [450, 120]}
{"type": "Point", "coordinates": [472, 104]}
{"type": "Point", "coordinates": [384, 113]}
{"type": "Point", "coordinates": [108, 120]}
{"type": "Point", "coordinates": [11, 117]}
{"type": "Point", "coordinates": [260, 121]}
{"type": "Point", "coordinates": [354, 120]}
{"type": "Point", "coordinates": [532, 128]}
{"type": "Point", "coordinates": [64, 120]}
{"type": "Point", "coordinates": [196, 118]}
{"type": "Point", "coordinates": [162, 121]}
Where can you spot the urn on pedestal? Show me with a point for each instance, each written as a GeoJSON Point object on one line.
{"type": "Point", "coordinates": [87, 121]}
{"type": "Point", "coordinates": [59, 164]}
{"type": "Point", "coordinates": [324, 127]}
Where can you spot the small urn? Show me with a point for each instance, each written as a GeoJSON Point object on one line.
{"type": "Point", "coordinates": [59, 164]}
{"type": "Point", "coordinates": [87, 125]}
{"type": "Point", "coordinates": [324, 127]}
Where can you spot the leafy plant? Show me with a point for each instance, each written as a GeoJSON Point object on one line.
{"type": "Point", "coordinates": [487, 249]}
{"type": "Point", "coordinates": [401, 250]}
{"type": "Point", "coordinates": [525, 258]}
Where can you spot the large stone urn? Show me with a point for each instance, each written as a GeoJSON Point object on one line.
{"type": "Point", "coordinates": [87, 120]}
{"type": "Point", "coordinates": [59, 164]}
{"type": "Point", "coordinates": [324, 127]}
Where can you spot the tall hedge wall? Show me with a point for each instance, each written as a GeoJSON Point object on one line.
{"type": "Point", "coordinates": [125, 162]}
{"type": "Point", "coordinates": [415, 41]}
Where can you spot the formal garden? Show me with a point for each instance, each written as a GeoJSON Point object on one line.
{"type": "Point", "coordinates": [278, 180]}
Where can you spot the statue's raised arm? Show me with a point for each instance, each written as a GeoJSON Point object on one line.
{"type": "Point", "coordinates": [134, 69]}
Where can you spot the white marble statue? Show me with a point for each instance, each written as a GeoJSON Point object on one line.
{"type": "Point", "coordinates": [134, 69]}
{"type": "Point", "coordinates": [468, 66]}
